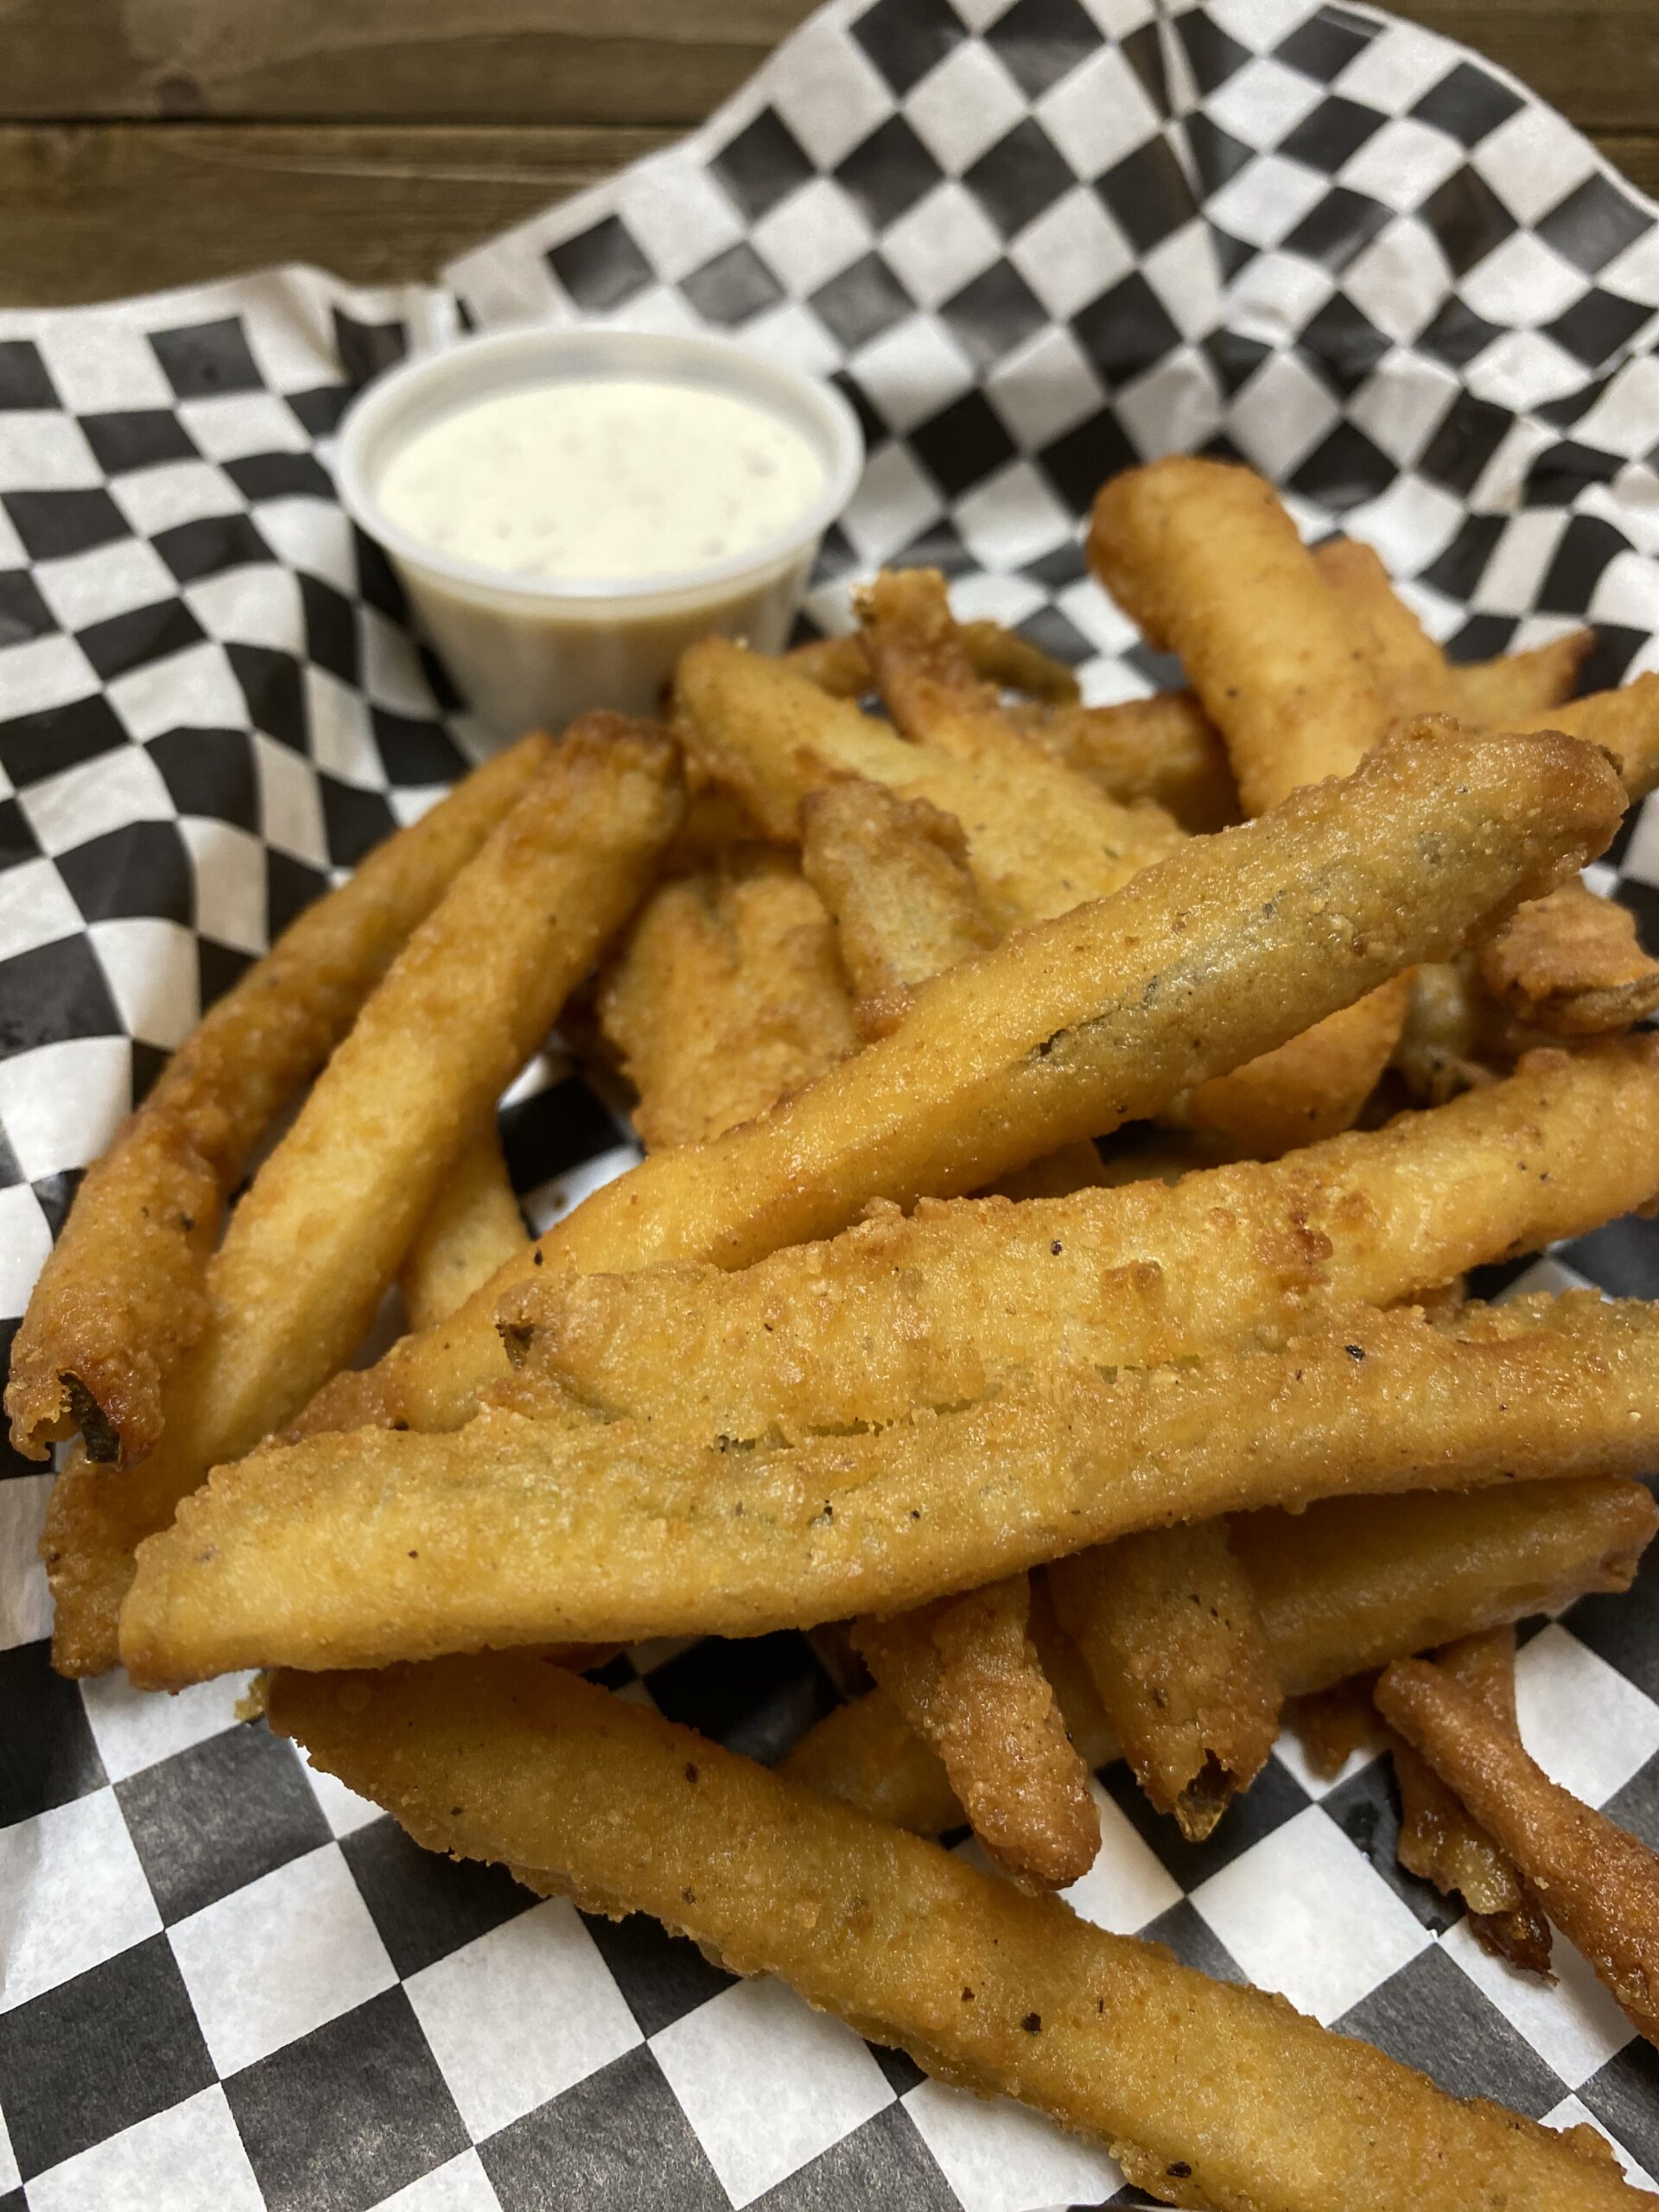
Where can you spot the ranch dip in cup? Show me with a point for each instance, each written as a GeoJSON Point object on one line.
{"type": "Point", "coordinates": [567, 509]}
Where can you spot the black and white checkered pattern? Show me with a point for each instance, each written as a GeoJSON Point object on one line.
{"type": "Point", "coordinates": [1031, 242]}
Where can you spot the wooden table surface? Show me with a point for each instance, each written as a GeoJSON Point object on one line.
{"type": "Point", "coordinates": [145, 143]}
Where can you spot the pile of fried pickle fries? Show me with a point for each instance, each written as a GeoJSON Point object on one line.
{"type": "Point", "coordinates": [1068, 1132]}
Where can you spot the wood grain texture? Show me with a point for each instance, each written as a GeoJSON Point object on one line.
{"type": "Point", "coordinates": [430, 60]}
{"type": "Point", "coordinates": [97, 210]}
{"type": "Point", "coordinates": [147, 143]}
{"type": "Point", "coordinates": [606, 61]}
{"type": "Point", "coordinates": [1597, 60]}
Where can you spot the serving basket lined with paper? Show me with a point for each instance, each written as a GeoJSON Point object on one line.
{"type": "Point", "coordinates": [1104, 1020]}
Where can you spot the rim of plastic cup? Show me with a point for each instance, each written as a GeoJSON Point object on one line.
{"type": "Point", "coordinates": [551, 354]}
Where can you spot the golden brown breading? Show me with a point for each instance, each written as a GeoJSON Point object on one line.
{"type": "Point", "coordinates": [122, 1294]}
{"type": "Point", "coordinates": [1167, 1625]}
{"type": "Point", "coordinates": [935, 1308]}
{"type": "Point", "coordinates": [525, 1527]}
{"type": "Point", "coordinates": [968, 1680]}
{"type": "Point", "coordinates": [473, 1229]}
{"type": "Point", "coordinates": [1068, 1029]}
{"type": "Point", "coordinates": [894, 874]}
{"type": "Point", "coordinates": [728, 994]}
{"type": "Point", "coordinates": [509, 1759]}
{"type": "Point", "coordinates": [1571, 965]}
{"type": "Point", "coordinates": [1602, 1885]}
{"type": "Point", "coordinates": [1039, 839]}
{"type": "Point", "coordinates": [1345, 1586]}
{"type": "Point", "coordinates": [318, 1238]}
{"type": "Point", "coordinates": [1438, 1840]}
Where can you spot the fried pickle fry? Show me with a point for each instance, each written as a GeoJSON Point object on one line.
{"type": "Point", "coordinates": [1202, 554]}
{"type": "Point", "coordinates": [1625, 722]}
{"type": "Point", "coordinates": [716, 826]}
{"type": "Point", "coordinates": [1314, 1086]}
{"type": "Point", "coordinates": [1341, 1589]}
{"type": "Point", "coordinates": [1438, 1054]}
{"type": "Point", "coordinates": [894, 874]}
{"type": "Point", "coordinates": [528, 1527]}
{"type": "Point", "coordinates": [936, 1308]}
{"type": "Point", "coordinates": [1302, 663]}
{"type": "Point", "coordinates": [1332, 1725]}
{"type": "Point", "coordinates": [841, 665]}
{"type": "Point", "coordinates": [1571, 965]}
{"type": "Point", "coordinates": [1167, 1625]}
{"type": "Point", "coordinates": [1164, 749]}
{"type": "Point", "coordinates": [319, 1237]}
{"type": "Point", "coordinates": [474, 1227]}
{"type": "Point", "coordinates": [1409, 668]}
{"type": "Point", "coordinates": [1069, 1029]}
{"type": "Point", "coordinates": [968, 1680]}
{"type": "Point", "coordinates": [1495, 694]}
{"type": "Point", "coordinates": [1040, 840]}
{"type": "Point", "coordinates": [508, 1760]}
{"type": "Point", "coordinates": [921, 666]}
{"type": "Point", "coordinates": [1440, 1843]}
{"type": "Point", "coordinates": [1414, 672]}
{"type": "Point", "coordinates": [1601, 1885]}
{"type": "Point", "coordinates": [728, 994]}
{"type": "Point", "coordinates": [122, 1294]}
{"type": "Point", "coordinates": [1356, 1582]}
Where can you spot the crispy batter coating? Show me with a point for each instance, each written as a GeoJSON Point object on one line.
{"type": "Point", "coordinates": [1358, 1581]}
{"type": "Point", "coordinates": [1332, 1725]}
{"type": "Point", "coordinates": [1163, 748]}
{"type": "Point", "coordinates": [1414, 672]}
{"type": "Point", "coordinates": [1625, 722]}
{"type": "Point", "coordinates": [1203, 556]}
{"type": "Point", "coordinates": [841, 665]}
{"type": "Point", "coordinates": [1069, 1029]}
{"type": "Point", "coordinates": [934, 1308]}
{"type": "Point", "coordinates": [529, 1528]}
{"type": "Point", "coordinates": [1571, 965]}
{"type": "Point", "coordinates": [1601, 1885]}
{"type": "Point", "coordinates": [1166, 748]}
{"type": "Point", "coordinates": [922, 667]}
{"type": "Point", "coordinates": [1409, 667]}
{"type": "Point", "coordinates": [1302, 663]}
{"type": "Point", "coordinates": [122, 1296]}
{"type": "Point", "coordinates": [1497, 694]}
{"type": "Point", "coordinates": [1438, 1840]}
{"type": "Point", "coordinates": [968, 1679]}
{"type": "Point", "coordinates": [1167, 1625]}
{"type": "Point", "coordinates": [505, 1758]}
{"type": "Point", "coordinates": [1440, 1047]}
{"type": "Point", "coordinates": [1311, 1087]}
{"type": "Point", "coordinates": [728, 994]}
{"type": "Point", "coordinates": [716, 825]}
{"type": "Point", "coordinates": [313, 1246]}
{"type": "Point", "coordinates": [474, 1228]}
{"type": "Point", "coordinates": [894, 874]}
{"type": "Point", "coordinates": [1074, 1168]}
{"type": "Point", "coordinates": [1039, 839]}
{"type": "Point", "coordinates": [1346, 1586]}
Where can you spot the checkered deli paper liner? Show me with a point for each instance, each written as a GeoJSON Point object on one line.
{"type": "Point", "coordinates": [1031, 244]}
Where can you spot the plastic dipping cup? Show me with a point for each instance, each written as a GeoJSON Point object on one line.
{"type": "Point", "coordinates": [528, 651]}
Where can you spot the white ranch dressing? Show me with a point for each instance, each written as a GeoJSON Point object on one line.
{"type": "Point", "coordinates": [605, 478]}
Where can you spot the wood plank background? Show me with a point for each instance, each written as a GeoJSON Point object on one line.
{"type": "Point", "coordinates": [145, 143]}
